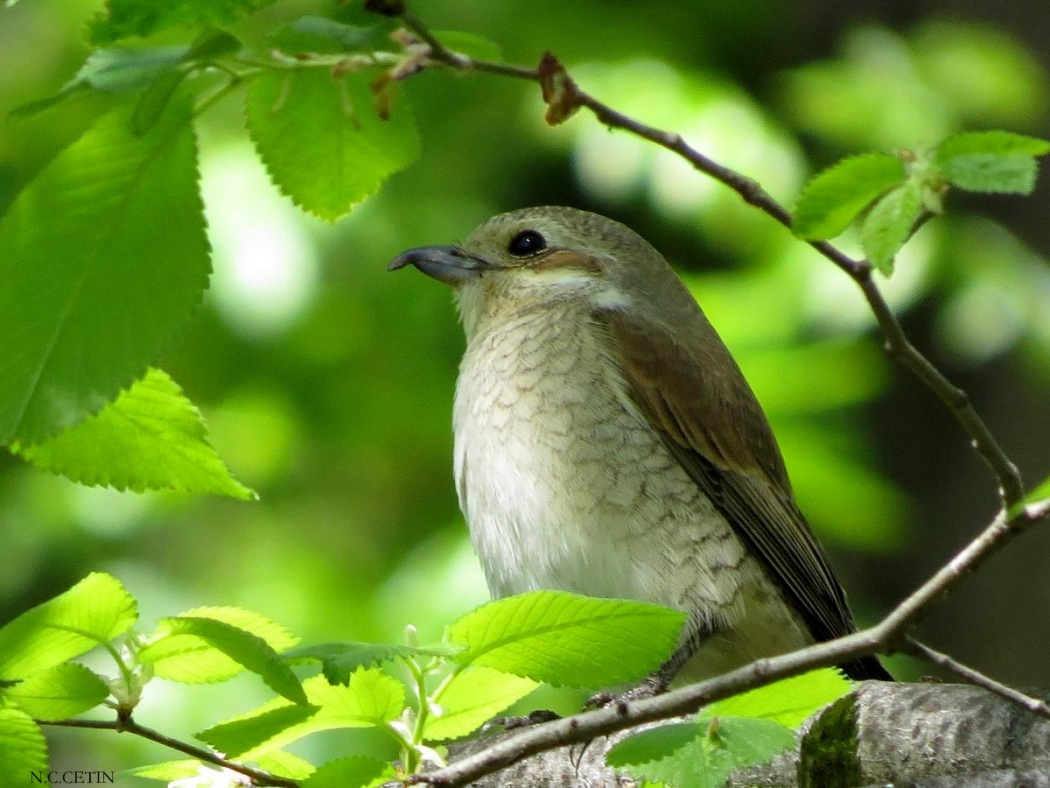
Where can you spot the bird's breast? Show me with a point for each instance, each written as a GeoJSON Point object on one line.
{"type": "Point", "coordinates": [563, 482]}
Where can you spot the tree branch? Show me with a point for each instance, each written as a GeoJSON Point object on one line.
{"type": "Point", "coordinates": [971, 676]}
{"type": "Point", "coordinates": [564, 97]}
{"type": "Point", "coordinates": [886, 636]}
{"type": "Point", "coordinates": [257, 776]}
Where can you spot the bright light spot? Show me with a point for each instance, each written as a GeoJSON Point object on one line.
{"type": "Point", "coordinates": [713, 117]}
{"type": "Point", "coordinates": [106, 511]}
{"type": "Point", "coordinates": [833, 300]}
{"type": "Point", "coordinates": [981, 322]}
{"type": "Point", "coordinates": [266, 267]}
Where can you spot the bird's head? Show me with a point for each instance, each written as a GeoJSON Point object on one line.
{"type": "Point", "coordinates": [536, 257]}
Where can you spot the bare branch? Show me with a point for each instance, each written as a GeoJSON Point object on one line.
{"type": "Point", "coordinates": [971, 676]}
{"type": "Point", "coordinates": [258, 776]}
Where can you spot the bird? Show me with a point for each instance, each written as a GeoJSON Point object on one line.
{"type": "Point", "coordinates": [606, 443]}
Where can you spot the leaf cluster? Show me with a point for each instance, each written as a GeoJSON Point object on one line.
{"type": "Point", "coordinates": [888, 195]}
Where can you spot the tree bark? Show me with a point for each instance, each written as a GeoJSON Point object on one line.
{"type": "Point", "coordinates": [927, 735]}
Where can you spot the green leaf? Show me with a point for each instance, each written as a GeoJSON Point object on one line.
{"type": "Point", "coordinates": [789, 701]}
{"type": "Point", "coordinates": [94, 611]}
{"type": "Point", "coordinates": [285, 764]}
{"type": "Point", "coordinates": [716, 748]}
{"type": "Point", "coordinates": [211, 44]}
{"type": "Point", "coordinates": [242, 647]}
{"type": "Point", "coordinates": [994, 143]}
{"type": "Point", "coordinates": [474, 47]}
{"type": "Point", "coordinates": [652, 745]}
{"type": "Point", "coordinates": [23, 748]}
{"type": "Point", "coordinates": [471, 699]}
{"type": "Point", "coordinates": [889, 222]}
{"type": "Point", "coordinates": [269, 727]}
{"type": "Point", "coordinates": [1040, 494]}
{"type": "Point", "coordinates": [95, 284]}
{"type": "Point", "coordinates": [371, 698]}
{"type": "Point", "coordinates": [120, 70]}
{"type": "Point", "coordinates": [150, 438]}
{"type": "Point", "coordinates": [152, 103]}
{"type": "Point", "coordinates": [355, 771]}
{"type": "Point", "coordinates": [339, 660]}
{"type": "Point", "coordinates": [568, 640]}
{"type": "Point", "coordinates": [832, 199]}
{"type": "Point", "coordinates": [59, 692]}
{"type": "Point", "coordinates": [126, 18]}
{"type": "Point", "coordinates": [989, 172]}
{"type": "Point", "coordinates": [115, 70]}
{"type": "Point", "coordinates": [168, 771]}
{"type": "Point", "coordinates": [317, 34]}
{"type": "Point", "coordinates": [322, 141]}
{"type": "Point", "coordinates": [192, 660]}
{"type": "Point", "coordinates": [990, 161]}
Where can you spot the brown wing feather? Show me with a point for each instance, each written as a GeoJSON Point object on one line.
{"type": "Point", "coordinates": [692, 391]}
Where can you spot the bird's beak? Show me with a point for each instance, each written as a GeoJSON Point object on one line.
{"type": "Point", "coordinates": [448, 264]}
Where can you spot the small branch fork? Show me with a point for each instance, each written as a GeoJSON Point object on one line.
{"type": "Point", "coordinates": [564, 97]}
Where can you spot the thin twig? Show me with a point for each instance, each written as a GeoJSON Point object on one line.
{"type": "Point", "coordinates": [258, 776]}
{"type": "Point", "coordinates": [966, 673]}
{"type": "Point", "coordinates": [569, 97]}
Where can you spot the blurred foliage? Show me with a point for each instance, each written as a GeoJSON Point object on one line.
{"type": "Point", "coordinates": [328, 383]}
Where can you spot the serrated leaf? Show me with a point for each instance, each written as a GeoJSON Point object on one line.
{"type": "Point", "coordinates": [997, 143]}
{"type": "Point", "coordinates": [472, 698]}
{"type": "Point", "coordinates": [211, 44]}
{"type": "Point", "coordinates": [58, 692]}
{"type": "Point", "coordinates": [318, 34]}
{"type": "Point", "coordinates": [371, 698]}
{"type": "Point", "coordinates": [705, 759]}
{"type": "Point", "coordinates": [120, 70]}
{"type": "Point", "coordinates": [355, 771]}
{"type": "Point", "coordinates": [150, 438]}
{"type": "Point", "coordinates": [94, 287]}
{"type": "Point", "coordinates": [339, 660]}
{"type": "Point", "coordinates": [322, 141]}
{"type": "Point", "coordinates": [127, 18]}
{"type": "Point", "coordinates": [1039, 494]}
{"type": "Point", "coordinates": [23, 748]}
{"type": "Point", "coordinates": [284, 764]}
{"type": "Point", "coordinates": [190, 659]}
{"type": "Point", "coordinates": [990, 161]}
{"type": "Point", "coordinates": [94, 611]}
{"type": "Point", "coordinates": [834, 198]}
{"type": "Point", "coordinates": [652, 745]}
{"type": "Point", "coordinates": [243, 647]}
{"type": "Point", "coordinates": [473, 46]}
{"type": "Point", "coordinates": [889, 222]}
{"type": "Point", "coordinates": [114, 70]}
{"type": "Point", "coordinates": [152, 103]}
{"type": "Point", "coordinates": [567, 639]}
{"type": "Point", "coordinates": [788, 701]}
{"type": "Point", "coordinates": [990, 172]}
{"type": "Point", "coordinates": [168, 771]}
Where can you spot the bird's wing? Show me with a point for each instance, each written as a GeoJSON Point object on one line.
{"type": "Point", "coordinates": [689, 388]}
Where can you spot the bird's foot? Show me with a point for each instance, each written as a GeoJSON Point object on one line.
{"type": "Point", "coordinates": [652, 686]}
{"type": "Point", "coordinates": [522, 721]}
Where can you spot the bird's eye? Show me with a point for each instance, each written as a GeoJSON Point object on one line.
{"type": "Point", "coordinates": [526, 243]}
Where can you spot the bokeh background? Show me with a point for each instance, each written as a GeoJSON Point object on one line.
{"type": "Point", "coordinates": [327, 382]}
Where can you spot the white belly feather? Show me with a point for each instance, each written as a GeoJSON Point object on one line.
{"type": "Point", "coordinates": [565, 486]}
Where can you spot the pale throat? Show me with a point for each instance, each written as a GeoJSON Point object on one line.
{"type": "Point", "coordinates": [540, 408]}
